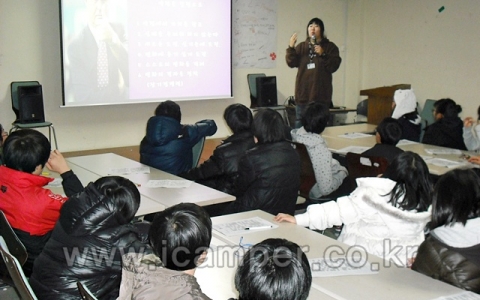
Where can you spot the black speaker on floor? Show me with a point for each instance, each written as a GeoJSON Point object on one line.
{"type": "Point", "coordinates": [267, 91]}
{"type": "Point", "coordinates": [30, 104]}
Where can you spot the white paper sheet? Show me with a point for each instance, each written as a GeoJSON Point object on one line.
{"type": "Point", "coordinates": [355, 135]}
{"type": "Point", "coordinates": [324, 267]}
{"type": "Point", "coordinates": [244, 226]}
{"type": "Point", "coordinates": [169, 184]}
{"type": "Point", "coordinates": [128, 171]}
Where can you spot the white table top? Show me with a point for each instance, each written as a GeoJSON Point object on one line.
{"type": "Point", "coordinates": [101, 164]}
{"type": "Point", "coordinates": [335, 143]}
{"type": "Point", "coordinates": [390, 283]}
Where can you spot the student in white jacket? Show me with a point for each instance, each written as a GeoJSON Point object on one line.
{"type": "Point", "coordinates": [385, 215]}
{"type": "Point", "coordinates": [471, 133]}
{"type": "Point", "coordinates": [329, 174]}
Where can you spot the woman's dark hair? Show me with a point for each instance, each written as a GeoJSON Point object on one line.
{"type": "Point", "coordinates": [410, 172]}
{"type": "Point", "coordinates": [25, 149]}
{"type": "Point", "coordinates": [268, 126]}
{"type": "Point", "coordinates": [478, 113]}
{"type": "Point", "coordinates": [169, 109]}
{"type": "Point", "coordinates": [274, 269]}
{"type": "Point", "coordinates": [238, 117]}
{"type": "Point", "coordinates": [122, 194]}
{"type": "Point", "coordinates": [390, 131]}
{"type": "Point", "coordinates": [456, 198]}
{"type": "Point", "coordinates": [180, 234]}
{"type": "Point", "coordinates": [315, 118]}
{"type": "Point", "coordinates": [447, 107]}
{"type": "Point", "coordinates": [320, 24]}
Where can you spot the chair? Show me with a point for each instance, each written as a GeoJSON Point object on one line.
{"type": "Point", "coordinates": [252, 85]}
{"type": "Point", "coordinates": [19, 123]}
{"type": "Point", "coordinates": [359, 165]}
{"type": "Point", "coordinates": [15, 246]}
{"type": "Point", "coordinates": [427, 115]}
{"type": "Point", "coordinates": [16, 273]}
{"type": "Point", "coordinates": [85, 293]}
{"type": "Point", "coordinates": [197, 152]}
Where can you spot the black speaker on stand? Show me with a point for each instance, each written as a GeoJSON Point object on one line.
{"type": "Point", "coordinates": [267, 91]}
{"type": "Point", "coordinates": [30, 104]}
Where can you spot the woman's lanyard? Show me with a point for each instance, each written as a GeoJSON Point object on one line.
{"type": "Point", "coordinates": [311, 51]}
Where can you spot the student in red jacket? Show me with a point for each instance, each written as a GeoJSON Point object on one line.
{"type": "Point", "coordinates": [31, 209]}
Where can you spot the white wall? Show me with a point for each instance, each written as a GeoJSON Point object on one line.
{"type": "Point", "coordinates": [381, 42]}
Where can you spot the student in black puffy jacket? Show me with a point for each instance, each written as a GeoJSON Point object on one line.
{"type": "Point", "coordinates": [168, 144]}
{"type": "Point", "coordinates": [221, 169]}
{"type": "Point", "coordinates": [88, 241]}
{"type": "Point", "coordinates": [268, 174]}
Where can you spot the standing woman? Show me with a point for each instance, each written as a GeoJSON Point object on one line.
{"type": "Point", "coordinates": [448, 127]}
{"type": "Point", "coordinates": [316, 59]}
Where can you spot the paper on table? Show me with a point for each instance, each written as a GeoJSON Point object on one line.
{"type": "Point", "coordinates": [171, 184]}
{"type": "Point", "coordinates": [354, 149]}
{"type": "Point", "coordinates": [127, 171]}
{"type": "Point", "coordinates": [355, 135]}
{"type": "Point", "coordinates": [325, 267]}
{"type": "Point", "coordinates": [460, 296]}
{"type": "Point", "coordinates": [57, 182]}
{"type": "Point", "coordinates": [406, 142]}
{"type": "Point", "coordinates": [441, 162]}
{"type": "Point", "coordinates": [240, 226]}
{"type": "Point", "coordinates": [442, 151]}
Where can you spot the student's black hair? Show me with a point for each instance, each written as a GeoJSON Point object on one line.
{"type": "Point", "coordinates": [180, 234]}
{"type": "Point", "coordinates": [268, 126]}
{"type": "Point", "coordinates": [239, 118]}
{"type": "Point", "coordinates": [121, 194]}
{"type": "Point", "coordinates": [390, 131]}
{"type": "Point", "coordinates": [274, 269]}
{"type": "Point", "coordinates": [456, 198]}
{"type": "Point", "coordinates": [169, 109]}
{"type": "Point", "coordinates": [478, 113]}
{"type": "Point", "coordinates": [25, 149]}
{"type": "Point", "coordinates": [447, 107]}
{"type": "Point", "coordinates": [315, 118]}
{"type": "Point", "coordinates": [320, 24]}
{"type": "Point", "coordinates": [411, 174]}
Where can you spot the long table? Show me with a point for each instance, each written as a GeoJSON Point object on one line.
{"type": "Point", "coordinates": [390, 283]}
{"type": "Point", "coordinates": [336, 143]}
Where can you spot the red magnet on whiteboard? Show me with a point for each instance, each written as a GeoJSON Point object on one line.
{"type": "Point", "coordinates": [273, 56]}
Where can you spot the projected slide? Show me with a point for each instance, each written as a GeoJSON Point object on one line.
{"type": "Point", "coordinates": [131, 51]}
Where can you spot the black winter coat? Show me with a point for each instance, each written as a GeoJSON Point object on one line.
{"type": "Point", "coordinates": [268, 179]}
{"type": "Point", "coordinates": [221, 169]}
{"type": "Point", "coordinates": [86, 245]}
{"type": "Point", "coordinates": [446, 133]}
{"type": "Point", "coordinates": [457, 266]}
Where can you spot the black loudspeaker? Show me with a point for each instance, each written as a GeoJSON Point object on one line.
{"type": "Point", "coordinates": [267, 91]}
{"type": "Point", "coordinates": [30, 104]}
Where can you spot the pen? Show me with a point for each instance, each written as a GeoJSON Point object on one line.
{"type": "Point", "coordinates": [259, 227]}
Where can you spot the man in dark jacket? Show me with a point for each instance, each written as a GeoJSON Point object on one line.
{"type": "Point", "coordinates": [88, 241]}
{"type": "Point", "coordinates": [268, 174]}
{"type": "Point", "coordinates": [168, 144]}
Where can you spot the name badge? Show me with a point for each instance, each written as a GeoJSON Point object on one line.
{"type": "Point", "coordinates": [311, 66]}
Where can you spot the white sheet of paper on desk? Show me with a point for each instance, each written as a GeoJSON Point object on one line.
{"type": "Point", "coordinates": [354, 149]}
{"type": "Point", "coordinates": [460, 296]}
{"type": "Point", "coordinates": [324, 267]}
{"type": "Point", "coordinates": [442, 151]}
{"type": "Point", "coordinates": [240, 227]}
{"type": "Point", "coordinates": [355, 135]}
{"type": "Point", "coordinates": [441, 162]}
{"type": "Point", "coordinates": [57, 182]}
{"type": "Point", "coordinates": [128, 171]}
{"type": "Point", "coordinates": [169, 184]}
{"type": "Point", "coordinates": [406, 142]}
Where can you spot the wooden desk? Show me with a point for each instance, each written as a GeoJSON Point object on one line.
{"type": "Point", "coordinates": [335, 143]}
{"type": "Point", "coordinates": [390, 283]}
{"type": "Point", "coordinates": [101, 164]}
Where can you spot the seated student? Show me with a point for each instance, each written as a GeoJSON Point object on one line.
{"type": "Point", "coordinates": [168, 144]}
{"type": "Point", "coordinates": [471, 132]}
{"type": "Point", "coordinates": [287, 277]}
{"type": "Point", "coordinates": [387, 135]}
{"type": "Point", "coordinates": [31, 209]}
{"type": "Point", "coordinates": [329, 174]}
{"type": "Point", "coordinates": [268, 174]}
{"type": "Point", "coordinates": [180, 236]}
{"type": "Point", "coordinates": [448, 127]}
{"type": "Point", "coordinates": [451, 251]}
{"type": "Point", "coordinates": [88, 241]}
{"type": "Point", "coordinates": [220, 170]}
{"type": "Point", "coordinates": [2, 140]}
{"type": "Point", "coordinates": [405, 111]}
{"type": "Point", "coordinates": [383, 213]}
